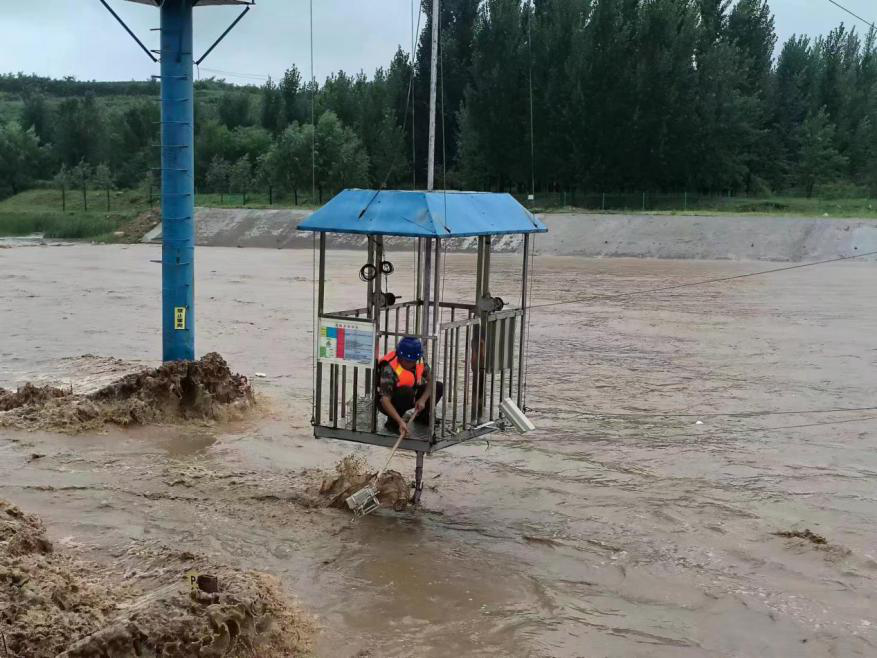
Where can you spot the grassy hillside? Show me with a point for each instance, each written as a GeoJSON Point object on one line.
{"type": "Point", "coordinates": [39, 211]}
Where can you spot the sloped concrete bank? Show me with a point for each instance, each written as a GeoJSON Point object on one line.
{"type": "Point", "coordinates": [586, 234]}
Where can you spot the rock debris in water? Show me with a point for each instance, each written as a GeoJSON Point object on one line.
{"type": "Point", "coordinates": [352, 474]}
{"type": "Point", "coordinates": [204, 390]}
{"type": "Point", "coordinates": [54, 604]}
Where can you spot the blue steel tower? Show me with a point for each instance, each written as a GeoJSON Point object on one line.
{"type": "Point", "coordinates": [178, 168]}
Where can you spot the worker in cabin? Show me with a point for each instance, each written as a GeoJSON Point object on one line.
{"type": "Point", "coordinates": [403, 384]}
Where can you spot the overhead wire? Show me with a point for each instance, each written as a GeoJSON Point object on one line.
{"type": "Point", "coordinates": [703, 282]}
{"type": "Point", "coordinates": [532, 139]}
{"type": "Point", "coordinates": [313, 109]}
{"type": "Point", "coordinates": [853, 14]}
{"type": "Point", "coordinates": [413, 104]}
{"type": "Point", "coordinates": [392, 166]}
{"type": "Point", "coordinates": [754, 430]}
{"type": "Point", "coordinates": [532, 268]}
{"type": "Point", "coordinates": [315, 322]}
{"type": "Point", "coordinates": [711, 414]}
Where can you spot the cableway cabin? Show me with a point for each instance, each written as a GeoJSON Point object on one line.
{"type": "Point", "coordinates": [475, 347]}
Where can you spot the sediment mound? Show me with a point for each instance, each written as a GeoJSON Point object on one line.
{"type": "Point", "coordinates": [54, 604]}
{"type": "Point", "coordinates": [29, 395]}
{"type": "Point", "coordinates": [203, 390]}
{"type": "Point", "coordinates": [352, 474]}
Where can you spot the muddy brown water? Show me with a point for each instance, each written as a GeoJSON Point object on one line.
{"type": "Point", "coordinates": [622, 533]}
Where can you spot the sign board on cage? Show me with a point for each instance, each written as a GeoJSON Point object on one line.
{"type": "Point", "coordinates": [180, 318]}
{"type": "Point", "coordinates": [348, 342]}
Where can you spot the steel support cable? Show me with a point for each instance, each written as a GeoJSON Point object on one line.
{"type": "Point", "coordinates": [698, 283]}
{"type": "Point", "coordinates": [532, 268]}
{"type": "Point", "coordinates": [753, 430]}
{"type": "Point", "coordinates": [313, 108]}
{"type": "Point", "coordinates": [532, 139]}
{"type": "Point", "coordinates": [854, 15]}
{"type": "Point", "coordinates": [703, 282]}
{"type": "Point", "coordinates": [315, 328]}
{"type": "Point", "coordinates": [413, 104]}
{"type": "Point", "coordinates": [408, 103]}
{"type": "Point", "coordinates": [710, 414]}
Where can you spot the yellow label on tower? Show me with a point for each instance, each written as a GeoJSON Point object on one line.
{"type": "Point", "coordinates": [180, 317]}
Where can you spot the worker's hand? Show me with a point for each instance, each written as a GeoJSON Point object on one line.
{"type": "Point", "coordinates": [419, 407]}
{"type": "Point", "coordinates": [403, 430]}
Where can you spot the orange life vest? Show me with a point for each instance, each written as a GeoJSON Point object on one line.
{"type": "Point", "coordinates": [404, 378]}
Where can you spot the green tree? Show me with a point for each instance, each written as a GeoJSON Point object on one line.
{"type": "Point", "coordinates": [789, 103]}
{"type": "Point", "coordinates": [819, 159]}
{"type": "Point", "coordinates": [271, 108]}
{"type": "Point", "coordinates": [288, 163]}
{"type": "Point", "coordinates": [36, 114]}
{"type": "Point", "coordinates": [81, 175]}
{"type": "Point", "coordinates": [147, 184]}
{"type": "Point", "coordinates": [134, 134]}
{"type": "Point", "coordinates": [21, 157]}
{"type": "Point", "coordinates": [218, 177]}
{"type": "Point", "coordinates": [250, 141]}
{"type": "Point", "coordinates": [103, 179]}
{"type": "Point", "coordinates": [472, 165]}
{"type": "Point", "coordinates": [63, 179]}
{"type": "Point", "coordinates": [80, 131]}
{"type": "Point", "coordinates": [234, 110]}
{"type": "Point", "coordinates": [263, 175]}
{"type": "Point", "coordinates": [291, 97]}
{"type": "Point", "coordinates": [388, 157]}
{"type": "Point", "coordinates": [240, 177]}
{"type": "Point", "coordinates": [212, 140]}
{"type": "Point", "coordinates": [341, 160]}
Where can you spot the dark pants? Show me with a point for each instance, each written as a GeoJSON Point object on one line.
{"type": "Point", "coordinates": [405, 398]}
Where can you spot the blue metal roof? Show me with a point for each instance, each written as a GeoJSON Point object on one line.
{"type": "Point", "coordinates": [423, 214]}
{"type": "Point", "coordinates": [199, 3]}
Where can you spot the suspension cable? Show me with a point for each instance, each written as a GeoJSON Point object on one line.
{"type": "Point", "coordinates": [710, 414]}
{"type": "Point", "coordinates": [313, 110]}
{"type": "Point", "coordinates": [704, 282]}
{"type": "Point", "coordinates": [413, 104]}
{"type": "Point", "coordinates": [532, 138]}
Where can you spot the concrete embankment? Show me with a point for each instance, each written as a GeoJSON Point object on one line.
{"type": "Point", "coordinates": [722, 237]}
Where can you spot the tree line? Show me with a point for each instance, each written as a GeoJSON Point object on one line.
{"type": "Point", "coordinates": [659, 95]}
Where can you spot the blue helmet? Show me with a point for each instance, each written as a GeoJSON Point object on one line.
{"type": "Point", "coordinates": [410, 349]}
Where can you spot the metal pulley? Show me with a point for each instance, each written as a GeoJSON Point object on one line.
{"type": "Point", "coordinates": [488, 304]}
{"type": "Point", "coordinates": [384, 299]}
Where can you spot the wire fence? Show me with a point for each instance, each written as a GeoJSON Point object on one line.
{"type": "Point", "coordinates": [648, 201]}
{"type": "Point", "coordinates": [594, 201]}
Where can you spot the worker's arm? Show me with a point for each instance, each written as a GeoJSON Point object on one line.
{"type": "Point", "coordinates": [385, 393]}
{"type": "Point", "coordinates": [423, 400]}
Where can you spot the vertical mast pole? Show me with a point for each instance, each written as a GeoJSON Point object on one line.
{"type": "Point", "coordinates": [177, 182]}
{"type": "Point", "coordinates": [433, 66]}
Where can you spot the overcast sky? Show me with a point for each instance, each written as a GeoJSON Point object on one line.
{"type": "Point", "coordinates": [78, 37]}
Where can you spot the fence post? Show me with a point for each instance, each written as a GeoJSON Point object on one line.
{"type": "Point", "coordinates": [644, 201]}
{"type": "Point", "coordinates": [685, 200]}
{"type": "Point", "coordinates": [603, 203]}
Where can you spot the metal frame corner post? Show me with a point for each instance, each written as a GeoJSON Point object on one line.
{"type": "Point", "coordinates": [177, 182]}
{"type": "Point", "coordinates": [522, 353]}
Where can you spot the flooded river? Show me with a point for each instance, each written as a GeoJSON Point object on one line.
{"type": "Point", "coordinates": [638, 520]}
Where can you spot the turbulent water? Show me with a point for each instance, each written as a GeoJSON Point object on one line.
{"type": "Point", "coordinates": [636, 521]}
